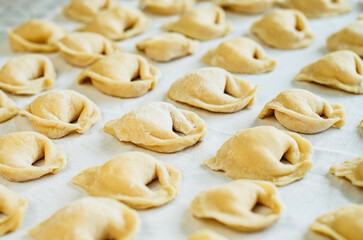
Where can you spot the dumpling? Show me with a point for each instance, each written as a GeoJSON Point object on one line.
{"type": "Point", "coordinates": [284, 29]}
{"type": "Point", "coordinates": [8, 108]}
{"type": "Point", "coordinates": [86, 10]}
{"type": "Point", "coordinates": [89, 218]}
{"type": "Point", "coordinates": [160, 127]}
{"type": "Point", "coordinates": [20, 151]}
{"type": "Point", "coordinates": [166, 7]}
{"type": "Point", "coordinates": [36, 36]}
{"type": "Point", "coordinates": [206, 235]}
{"type": "Point", "coordinates": [341, 70]}
{"type": "Point", "coordinates": [125, 178]}
{"type": "Point", "coordinates": [213, 89]}
{"type": "Point", "coordinates": [201, 23]}
{"type": "Point", "coordinates": [232, 204]}
{"type": "Point", "coordinates": [240, 55]}
{"type": "Point", "coordinates": [27, 74]}
{"type": "Point", "coordinates": [264, 153]}
{"type": "Point", "coordinates": [351, 169]}
{"type": "Point", "coordinates": [83, 49]}
{"type": "Point", "coordinates": [118, 23]}
{"type": "Point", "coordinates": [167, 46]}
{"type": "Point", "coordinates": [345, 223]}
{"type": "Point", "coordinates": [246, 6]}
{"type": "Point", "coordinates": [60, 112]}
{"type": "Point", "coordinates": [123, 75]}
{"type": "Point", "coordinates": [301, 111]}
{"type": "Point", "coordinates": [12, 210]}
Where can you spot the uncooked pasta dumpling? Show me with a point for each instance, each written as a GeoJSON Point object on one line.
{"type": "Point", "coordinates": [27, 74]}
{"type": "Point", "coordinates": [8, 108]}
{"type": "Point", "coordinates": [351, 169]}
{"type": "Point", "coordinates": [60, 112]}
{"type": "Point", "coordinates": [246, 6]}
{"type": "Point", "coordinates": [264, 153]}
{"type": "Point", "coordinates": [213, 89]}
{"type": "Point", "coordinates": [284, 29]}
{"type": "Point", "coordinates": [122, 75]}
{"type": "Point", "coordinates": [167, 46]}
{"type": "Point", "coordinates": [125, 178]}
{"type": "Point", "coordinates": [206, 235]}
{"type": "Point", "coordinates": [203, 23]}
{"type": "Point", "coordinates": [341, 70]}
{"type": "Point", "coordinates": [20, 152]}
{"type": "Point", "coordinates": [85, 10]}
{"type": "Point", "coordinates": [89, 218]}
{"type": "Point", "coordinates": [240, 55]}
{"type": "Point", "coordinates": [166, 7]}
{"type": "Point", "coordinates": [301, 111]}
{"type": "Point", "coordinates": [231, 204]}
{"type": "Point", "coordinates": [160, 127]}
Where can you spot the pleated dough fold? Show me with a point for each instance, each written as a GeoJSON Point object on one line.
{"type": "Point", "coordinates": [8, 108]}
{"type": "Point", "coordinates": [206, 235]}
{"type": "Point", "coordinates": [246, 6]}
{"type": "Point", "coordinates": [86, 10]}
{"type": "Point", "coordinates": [351, 169]}
{"type": "Point", "coordinates": [166, 7]}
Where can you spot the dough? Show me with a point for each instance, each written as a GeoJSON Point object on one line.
{"type": "Point", "coordinates": [206, 235]}
{"type": "Point", "coordinates": [166, 7]}
{"type": "Point", "coordinates": [344, 224]}
{"type": "Point", "coordinates": [60, 112]}
{"type": "Point", "coordinates": [213, 89]}
{"type": "Point", "coordinates": [89, 218]}
{"type": "Point", "coordinates": [27, 74]}
{"type": "Point", "coordinates": [125, 178]}
{"type": "Point", "coordinates": [36, 36]}
{"type": "Point", "coordinates": [301, 111]}
{"type": "Point", "coordinates": [246, 6]}
{"type": "Point", "coordinates": [20, 151]}
{"type": "Point", "coordinates": [83, 49]}
{"type": "Point", "coordinates": [341, 70]}
{"type": "Point", "coordinates": [8, 108]}
{"type": "Point", "coordinates": [284, 29]}
{"type": "Point", "coordinates": [351, 169]}
{"type": "Point", "coordinates": [232, 204]}
{"type": "Point", "coordinates": [203, 23]}
{"type": "Point", "coordinates": [86, 10]}
{"type": "Point", "coordinates": [123, 75]}
{"type": "Point", "coordinates": [240, 55]}
{"type": "Point", "coordinates": [160, 127]}
{"type": "Point", "coordinates": [12, 209]}
{"type": "Point", "coordinates": [167, 46]}
{"type": "Point", "coordinates": [264, 153]}
{"type": "Point", "coordinates": [118, 23]}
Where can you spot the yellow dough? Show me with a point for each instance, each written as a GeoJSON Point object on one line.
{"type": "Point", "coordinates": [123, 75]}
{"type": "Point", "coordinates": [240, 55]}
{"type": "Point", "coordinates": [264, 153]}
{"type": "Point", "coordinates": [86, 10]}
{"type": "Point", "coordinates": [206, 235]}
{"type": "Point", "coordinates": [118, 23]}
{"type": "Point", "coordinates": [12, 209]}
{"type": "Point", "coordinates": [166, 7]}
{"type": "Point", "coordinates": [160, 127]}
{"type": "Point", "coordinates": [36, 36]}
{"type": "Point", "coordinates": [301, 111]}
{"type": "Point", "coordinates": [89, 218]}
{"type": "Point", "coordinates": [60, 112]}
{"type": "Point", "coordinates": [284, 29]}
{"type": "Point", "coordinates": [167, 46]}
{"type": "Point", "coordinates": [19, 151]}
{"type": "Point", "coordinates": [8, 108]}
{"type": "Point", "coordinates": [246, 6]}
{"type": "Point", "coordinates": [213, 89]}
{"type": "Point", "coordinates": [345, 223]}
{"type": "Point", "coordinates": [232, 204]}
{"type": "Point", "coordinates": [125, 178]}
{"type": "Point", "coordinates": [351, 169]}
{"type": "Point", "coordinates": [83, 49]}
{"type": "Point", "coordinates": [341, 70]}
{"type": "Point", "coordinates": [27, 74]}
{"type": "Point", "coordinates": [203, 23]}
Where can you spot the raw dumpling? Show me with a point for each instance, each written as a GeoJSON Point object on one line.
{"type": "Point", "coordinates": [60, 112]}
{"type": "Point", "coordinates": [166, 7]}
{"type": "Point", "coordinates": [284, 29]}
{"type": "Point", "coordinates": [206, 235]}
{"type": "Point", "coordinates": [160, 127]}
{"type": "Point", "coordinates": [301, 111]}
{"type": "Point", "coordinates": [213, 89]}
{"type": "Point", "coordinates": [345, 223]}
{"type": "Point", "coordinates": [341, 70]}
{"type": "Point", "coordinates": [167, 46]}
{"type": "Point", "coordinates": [86, 10]}
{"type": "Point", "coordinates": [125, 178]}
{"type": "Point", "coordinates": [351, 169]}
{"type": "Point", "coordinates": [8, 108]}
{"type": "Point", "coordinates": [118, 23]}
{"type": "Point", "coordinates": [20, 151]}
{"type": "Point", "coordinates": [36, 36]}
{"type": "Point", "coordinates": [264, 153]}
{"type": "Point", "coordinates": [201, 23]}
{"type": "Point", "coordinates": [240, 55]}
{"type": "Point", "coordinates": [83, 49]}
{"type": "Point", "coordinates": [89, 218]}
{"type": "Point", "coordinates": [123, 75]}
{"type": "Point", "coordinates": [246, 6]}
{"type": "Point", "coordinates": [12, 210]}
{"type": "Point", "coordinates": [232, 204]}
{"type": "Point", "coordinates": [27, 74]}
